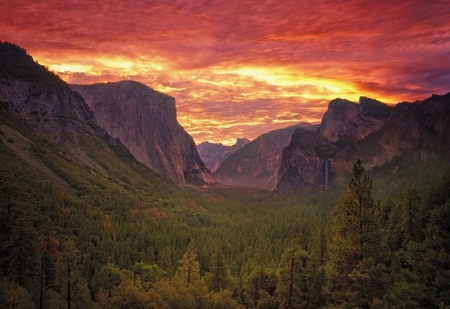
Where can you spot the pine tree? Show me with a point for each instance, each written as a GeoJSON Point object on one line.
{"type": "Point", "coordinates": [411, 209]}
{"type": "Point", "coordinates": [295, 279]}
{"type": "Point", "coordinates": [354, 273]}
{"type": "Point", "coordinates": [165, 260]}
{"type": "Point", "coordinates": [318, 255]}
{"type": "Point", "coordinates": [48, 246]}
{"type": "Point", "coordinates": [107, 279]}
{"type": "Point", "coordinates": [189, 266]}
{"type": "Point", "coordinates": [218, 270]}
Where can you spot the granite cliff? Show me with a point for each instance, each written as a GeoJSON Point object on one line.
{"type": "Point", "coordinates": [145, 121]}
{"type": "Point", "coordinates": [213, 154]}
{"type": "Point", "coordinates": [257, 163]}
{"type": "Point", "coordinates": [421, 126]}
{"type": "Point", "coordinates": [345, 120]}
{"type": "Point", "coordinates": [305, 161]}
{"type": "Point", "coordinates": [371, 131]}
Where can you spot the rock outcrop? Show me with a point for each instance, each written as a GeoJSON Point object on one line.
{"type": "Point", "coordinates": [422, 126]}
{"type": "Point", "coordinates": [348, 121]}
{"type": "Point", "coordinates": [213, 154]}
{"type": "Point", "coordinates": [145, 122]}
{"type": "Point", "coordinates": [306, 161]}
{"type": "Point", "coordinates": [39, 100]}
{"type": "Point", "coordinates": [312, 160]}
{"type": "Point", "coordinates": [257, 163]}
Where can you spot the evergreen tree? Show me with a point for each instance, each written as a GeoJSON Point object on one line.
{"type": "Point", "coordinates": [189, 267]}
{"type": "Point", "coordinates": [218, 271]}
{"type": "Point", "coordinates": [71, 282]}
{"type": "Point", "coordinates": [165, 260]}
{"type": "Point", "coordinates": [107, 279]}
{"type": "Point", "coordinates": [144, 275]}
{"type": "Point", "coordinates": [12, 295]}
{"type": "Point", "coordinates": [421, 271]}
{"type": "Point", "coordinates": [411, 209]}
{"type": "Point", "coordinates": [261, 286]}
{"type": "Point", "coordinates": [295, 279]}
{"type": "Point", "coordinates": [318, 255]}
{"type": "Point", "coordinates": [48, 246]}
{"type": "Point", "coordinates": [354, 278]}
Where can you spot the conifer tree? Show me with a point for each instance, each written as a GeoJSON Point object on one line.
{"type": "Point", "coordinates": [411, 209]}
{"type": "Point", "coordinates": [354, 277]}
{"type": "Point", "coordinates": [189, 266]}
{"type": "Point", "coordinates": [165, 260]}
{"type": "Point", "coordinates": [218, 270]}
{"type": "Point", "coordinates": [318, 255]}
{"type": "Point", "coordinates": [295, 278]}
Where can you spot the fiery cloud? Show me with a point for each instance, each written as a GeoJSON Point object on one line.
{"type": "Point", "coordinates": [242, 68]}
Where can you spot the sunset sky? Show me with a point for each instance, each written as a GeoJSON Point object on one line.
{"type": "Point", "coordinates": [241, 68]}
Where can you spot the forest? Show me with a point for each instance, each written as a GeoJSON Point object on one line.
{"type": "Point", "coordinates": [130, 239]}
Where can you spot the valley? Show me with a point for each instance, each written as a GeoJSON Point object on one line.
{"type": "Point", "coordinates": [107, 203]}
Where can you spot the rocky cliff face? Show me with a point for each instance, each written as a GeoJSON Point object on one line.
{"type": "Point", "coordinates": [240, 142]}
{"type": "Point", "coordinates": [39, 100]}
{"type": "Point", "coordinates": [313, 159]}
{"type": "Point", "coordinates": [39, 103]}
{"type": "Point", "coordinates": [345, 120]}
{"type": "Point", "coordinates": [213, 154]}
{"type": "Point", "coordinates": [145, 122]}
{"type": "Point", "coordinates": [257, 163]}
{"type": "Point", "coordinates": [422, 126]}
{"type": "Point", "coordinates": [305, 161]}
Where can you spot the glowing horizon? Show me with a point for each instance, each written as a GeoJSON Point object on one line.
{"type": "Point", "coordinates": [242, 68]}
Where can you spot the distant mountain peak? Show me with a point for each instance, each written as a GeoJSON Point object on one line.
{"type": "Point", "coordinates": [346, 120]}
{"type": "Point", "coordinates": [256, 164]}
{"type": "Point", "coordinates": [214, 154]}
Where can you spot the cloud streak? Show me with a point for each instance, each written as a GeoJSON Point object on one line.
{"type": "Point", "coordinates": [242, 68]}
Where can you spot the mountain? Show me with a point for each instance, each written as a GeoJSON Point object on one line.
{"type": "Point", "coordinates": [145, 121]}
{"type": "Point", "coordinates": [345, 120]}
{"type": "Point", "coordinates": [240, 142]}
{"type": "Point", "coordinates": [256, 164]}
{"type": "Point", "coordinates": [213, 154]}
{"type": "Point", "coordinates": [39, 100]}
{"type": "Point", "coordinates": [305, 161]}
{"type": "Point", "coordinates": [421, 126]}
{"type": "Point", "coordinates": [50, 131]}
{"type": "Point", "coordinates": [420, 129]}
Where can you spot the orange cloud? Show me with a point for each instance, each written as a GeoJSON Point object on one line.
{"type": "Point", "coordinates": [242, 68]}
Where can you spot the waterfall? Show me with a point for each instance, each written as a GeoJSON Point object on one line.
{"type": "Point", "coordinates": [326, 174]}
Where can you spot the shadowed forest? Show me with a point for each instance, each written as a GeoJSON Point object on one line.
{"type": "Point", "coordinates": [133, 240]}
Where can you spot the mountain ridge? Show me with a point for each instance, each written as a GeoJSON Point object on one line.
{"type": "Point", "coordinates": [214, 154]}
{"type": "Point", "coordinates": [256, 164]}
{"type": "Point", "coordinates": [421, 126]}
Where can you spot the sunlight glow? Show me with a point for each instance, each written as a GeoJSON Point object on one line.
{"type": "Point", "coordinates": [116, 63]}
{"type": "Point", "coordinates": [70, 67]}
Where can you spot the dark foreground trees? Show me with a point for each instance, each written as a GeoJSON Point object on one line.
{"type": "Point", "coordinates": [243, 252]}
{"type": "Point", "coordinates": [354, 278]}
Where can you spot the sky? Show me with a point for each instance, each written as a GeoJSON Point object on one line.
{"type": "Point", "coordinates": [240, 68]}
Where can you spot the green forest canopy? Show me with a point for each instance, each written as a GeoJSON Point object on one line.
{"type": "Point", "coordinates": [127, 241]}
